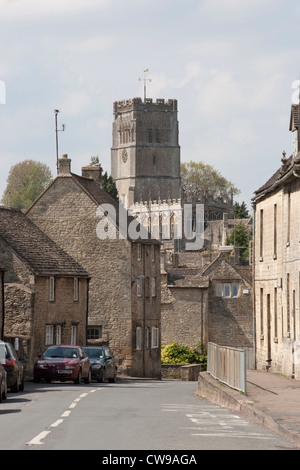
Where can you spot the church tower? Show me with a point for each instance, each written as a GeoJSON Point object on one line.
{"type": "Point", "coordinates": [145, 153]}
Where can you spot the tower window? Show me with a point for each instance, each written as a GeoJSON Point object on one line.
{"type": "Point", "coordinates": [157, 136]}
{"type": "Point", "coordinates": [150, 135]}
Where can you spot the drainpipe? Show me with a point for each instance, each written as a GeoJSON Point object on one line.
{"type": "Point", "coordinates": [253, 281]}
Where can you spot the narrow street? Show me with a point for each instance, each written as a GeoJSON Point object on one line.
{"type": "Point", "coordinates": [128, 415]}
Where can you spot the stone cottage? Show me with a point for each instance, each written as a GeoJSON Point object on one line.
{"type": "Point", "coordinates": [207, 302]}
{"type": "Point", "coordinates": [46, 290]}
{"type": "Point", "coordinates": [124, 294]}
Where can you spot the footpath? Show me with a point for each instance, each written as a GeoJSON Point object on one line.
{"type": "Point", "coordinates": [271, 400]}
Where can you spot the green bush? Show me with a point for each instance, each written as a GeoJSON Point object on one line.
{"type": "Point", "coordinates": [176, 354]}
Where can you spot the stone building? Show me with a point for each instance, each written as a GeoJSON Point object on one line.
{"type": "Point", "coordinates": [277, 265]}
{"type": "Point", "coordinates": [207, 301]}
{"type": "Point", "coordinates": [145, 154]}
{"type": "Point", "coordinates": [46, 290]}
{"type": "Point", "coordinates": [124, 292]}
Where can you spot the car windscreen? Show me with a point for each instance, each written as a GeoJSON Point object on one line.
{"type": "Point", "coordinates": [94, 353]}
{"type": "Point", "coordinates": [61, 352]}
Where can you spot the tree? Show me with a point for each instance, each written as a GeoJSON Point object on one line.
{"type": "Point", "coordinates": [240, 211]}
{"type": "Point", "coordinates": [109, 185]}
{"type": "Point", "coordinates": [200, 179]}
{"type": "Point", "coordinates": [240, 238]}
{"type": "Point", "coordinates": [25, 182]}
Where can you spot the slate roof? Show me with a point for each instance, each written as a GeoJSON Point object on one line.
{"type": "Point", "coordinates": [34, 248]}
{"type": "Point", "coordinates": [277, 176]}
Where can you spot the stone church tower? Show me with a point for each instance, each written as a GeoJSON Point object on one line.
{"type": "Point", "coordinates": [145, 154]}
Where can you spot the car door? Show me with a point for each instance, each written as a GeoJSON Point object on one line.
{"type": "Point", "coordinates": [109, 364]}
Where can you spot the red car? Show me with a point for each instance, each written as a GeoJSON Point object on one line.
{"type": "Point", "coordinates": [63, 363]}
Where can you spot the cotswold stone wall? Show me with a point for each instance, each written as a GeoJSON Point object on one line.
{"type": "Point", "coordinates": [67, 214]}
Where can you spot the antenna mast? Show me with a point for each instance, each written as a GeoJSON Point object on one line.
{"type": "Point", "coordinates": [56, 111]}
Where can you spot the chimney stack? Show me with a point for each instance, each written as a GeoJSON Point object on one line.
{"type": "Point", "coordinates": [92, 171]}
{"type": "Point", "coordinates": [64, 165]}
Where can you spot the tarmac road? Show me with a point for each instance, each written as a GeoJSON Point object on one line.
{"type": "Point", "coordinates": [129, 415]}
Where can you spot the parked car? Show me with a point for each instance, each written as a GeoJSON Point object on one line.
{"type": "Point", "coordinates": [13, 366]}
{"type": "Point", "coordinates": [103, 363]}
{"type": "Point", "coordinates": [63, 362]}
{"type": "Point", "coordinates": [3, 383]}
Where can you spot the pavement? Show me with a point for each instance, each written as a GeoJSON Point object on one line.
{"type": "Point", "coordinates": [271, 400]}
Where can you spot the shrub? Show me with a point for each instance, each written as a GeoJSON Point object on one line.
{"type": "Point", "coordinates": [176, 354]}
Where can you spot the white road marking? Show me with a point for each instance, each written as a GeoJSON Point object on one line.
{"type": "Point", "coordinates": [37, 440]}
{"type": "Point", "coordinates": [56, 423]}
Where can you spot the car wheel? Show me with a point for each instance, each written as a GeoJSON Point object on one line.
{"type": "Point", "coordinates": [78, 380]}
{"type": "Point", "coordinates": [114, 378]}
{"type": "Point", "coordinates": [15, 388]}
{"type": "Point", "coordinates": [87, 380]}
{"type": "Point", "coordinates": [3, 392]}
{"type": "Point", "coordinates": [100, 378]}
{"type": "Point", "coordinates": [22, 385]}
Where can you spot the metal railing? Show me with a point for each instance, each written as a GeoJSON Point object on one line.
{"type": "Point", "coordinates": [227, 365]}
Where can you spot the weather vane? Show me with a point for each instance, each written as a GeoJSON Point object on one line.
{"type": "Point", "coordinates": [145, 82]}
{"type": "Point", "coordinates": [56, 111]}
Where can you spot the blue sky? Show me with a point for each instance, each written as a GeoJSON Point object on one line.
{"type": "Point", "coordinates": [231, 64]}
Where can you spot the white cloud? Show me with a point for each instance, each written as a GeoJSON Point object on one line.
{"type": "Point", "coordinates": [37, 9]}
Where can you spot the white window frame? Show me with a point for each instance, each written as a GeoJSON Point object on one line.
{"type": "Point", "coordinates": [138, 338]}
{"type": "Point", "coordinates": [58, 334]}
{"type": "Point", "coordinates": [52, 289]}
{"type": "Point", "coordinates": [153, 287]}
{"type": "Point", "coordinates": [154, 337]}
{"type": "Point", "coordinates": [73, 335]}
{"type": "Point", "coordinates": [139, 287]}
{"type": "Point", "coordinates": [49, 336]}
{"type": "Point", "coordinates": [76, 289]}
{"type": "Point", "coordinates": [139, 252]}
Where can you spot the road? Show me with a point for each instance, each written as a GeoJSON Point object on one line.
{"type": "Point", "coordinates": [129, 415]}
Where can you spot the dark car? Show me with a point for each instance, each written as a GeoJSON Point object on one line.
{"type": "Point", "coordinates": [13, 366]}
{"type": "Point", "coordinates": [103, 363]}
{"type": "Point", "coordinates": [63, 362]}
{"type": "Point", "coordinates": [3, 384]}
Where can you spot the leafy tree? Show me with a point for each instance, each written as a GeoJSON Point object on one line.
{"type": "Point", "coordinates": [240, 238]}
{"type": "Point", "coordinates": [240, 211]}
{"type": "Point", "coordinates": [109, 185]}
{"type": "Point", "coordinates": [199, 179]}
{"type": "Point", "coordinates": [25, 182]}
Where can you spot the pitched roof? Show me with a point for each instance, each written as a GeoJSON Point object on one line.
{"type": "Point", "coordinates": [34, 248]}
{"type": "Point", "coordinates": [283, 171]}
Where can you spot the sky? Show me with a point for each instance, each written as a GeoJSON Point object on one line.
{"type": "Point", "coordinates": [233, 66]}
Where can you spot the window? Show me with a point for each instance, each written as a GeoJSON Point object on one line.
{"type": "Point", "coordinates": [76, 289]}
{"type": "Point", "coordinates": [227, 290]}
{"type": "Point", "coordinates": [275, 232]}
{"type": "Point", "coordinates": [155, 337]}
{"type": "Point", "coordinates": [49, 334]}
{"type": "Point", "coordinates": [139, 287]}
{"type": "Point", "coordinates": [261, 240]}
{"type": "Point", "coordinates": [275, 313]}
{"type": "Point", "coordinates": [261, 311]}
{"type": "Point", "coordinates": [152, 253]}
{"type": "Point", "coordinates": [58, 334]}
{"type": "Point", "coordinates": [150, 135]}
{"type": "Point", "coordinates": [153, 287]}
{"type": "Point", "coordinates": [73, 334]}
{"type": "Point", "coordinates": [52, 289]}
{"type": "Point", "coordinates": [94, 332]}
{"type": "Point", "coordinates": [138, 339]}
{"type": "Point", "coordinates": [157, 136]}
{"type": "Point", "coordinates": [139, 252]}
